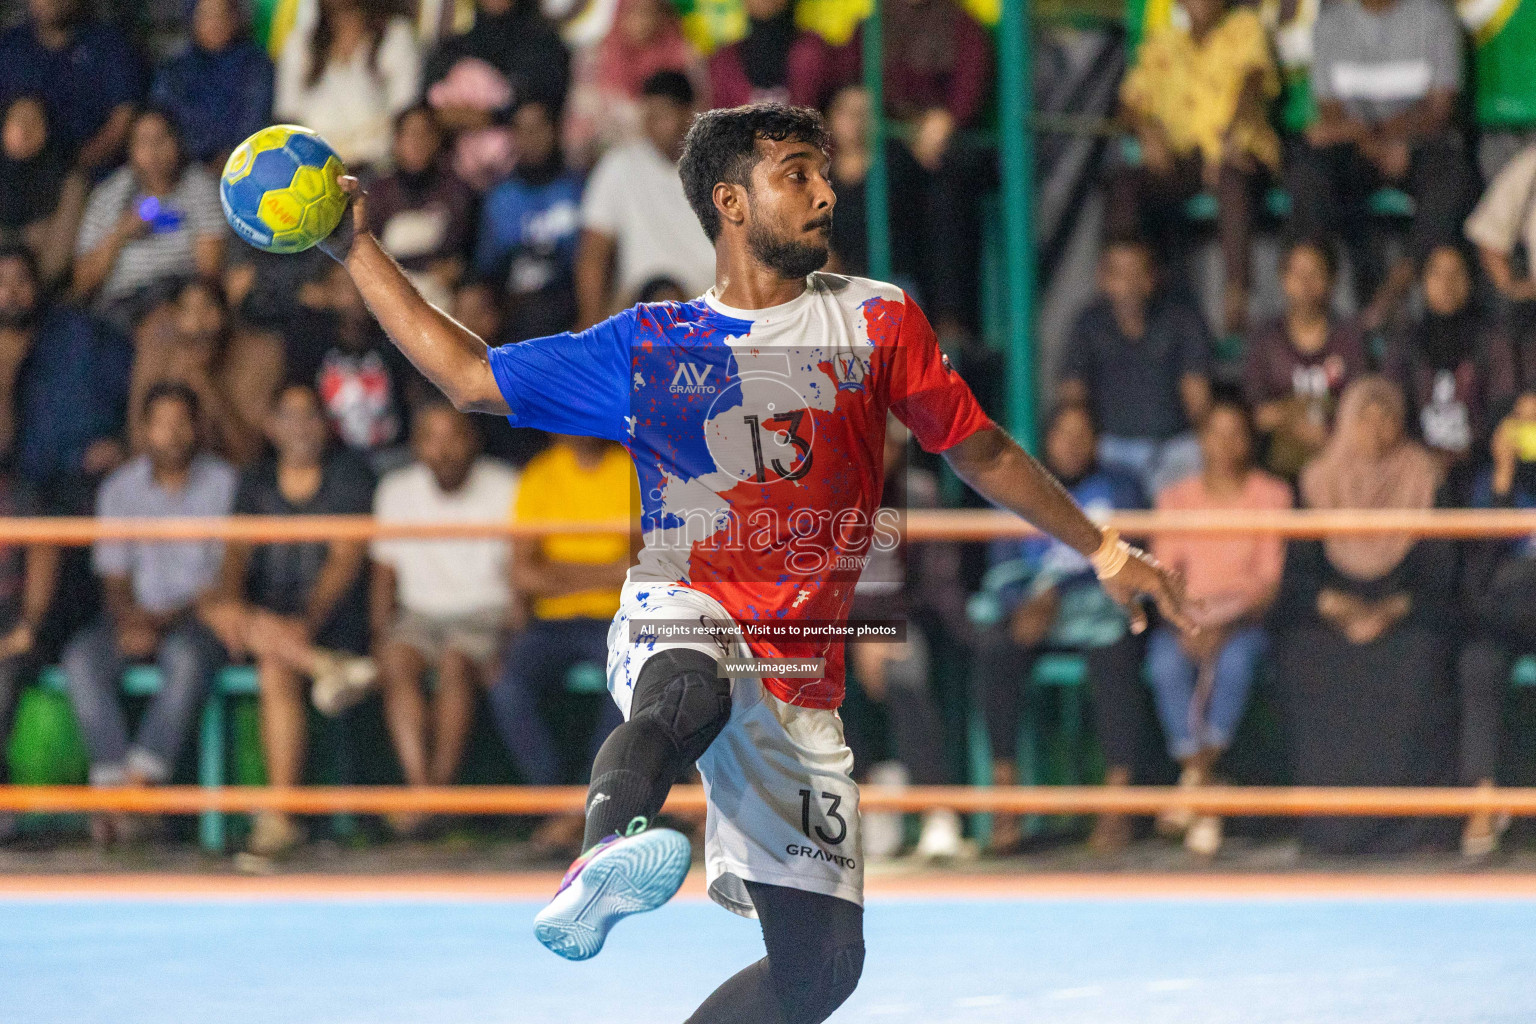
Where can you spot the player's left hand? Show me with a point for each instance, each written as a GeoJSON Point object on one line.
{"type": "Point", "coordinates": [354, 221]}
{"type": "Point", "coordinates": [1144, 576]}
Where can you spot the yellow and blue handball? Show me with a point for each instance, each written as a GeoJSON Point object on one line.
{"type": "Point", "coordinates": [279, 189]}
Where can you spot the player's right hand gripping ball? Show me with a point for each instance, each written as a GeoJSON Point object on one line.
{"type": "Point", "coordinates": [279, 189]}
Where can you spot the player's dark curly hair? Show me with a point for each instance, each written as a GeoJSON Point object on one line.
{"type": "Point", "coordinates": [722, 146]}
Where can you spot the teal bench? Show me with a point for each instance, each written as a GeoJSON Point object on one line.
{"type": "Point", "coordinates": [213, 729]}
{"type": "Point", "coordinates": [213, 743]}
{"type": "Point", "coordinates": [1385, 203]}
{"type": "Point", "coordinates": [1067, 675]}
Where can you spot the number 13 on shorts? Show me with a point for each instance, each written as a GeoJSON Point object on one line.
{"type": "Point", "coordinates": [832, 803]}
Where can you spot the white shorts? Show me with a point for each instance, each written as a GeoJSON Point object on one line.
{"type": "Point", "coordinates": [783, 806]}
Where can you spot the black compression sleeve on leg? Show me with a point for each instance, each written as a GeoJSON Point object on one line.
{"type": "Point", "coordinates": [678, 708]}
{"type": "Point", "coordinates": [815, 956]}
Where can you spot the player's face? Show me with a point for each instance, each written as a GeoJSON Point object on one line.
{"type": "Point", "coordinates": [789, 209]}
{"type": "Point", "coordinates": [297, 427]}
{"type": "Point", "coordinates": [170, 435]}
{"type": "Point", "coordinates": [445, 444]}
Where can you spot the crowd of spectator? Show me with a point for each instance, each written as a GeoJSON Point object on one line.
{"type": "Point", "coordinates": [522, 170]}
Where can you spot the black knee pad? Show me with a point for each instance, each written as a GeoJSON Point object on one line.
{"type": "Point", "coordinates": [681, 691]}
{"type": "Point", "coordinates": [811, 994]}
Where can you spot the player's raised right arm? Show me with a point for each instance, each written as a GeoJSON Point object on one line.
{"type": "Point", "coordinates": [445, 351]}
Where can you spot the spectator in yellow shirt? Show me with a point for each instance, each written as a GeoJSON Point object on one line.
{"type": "Point", "coordinates": [572, 583]}
{"type": "Point", "coordinates": [1197, 99]}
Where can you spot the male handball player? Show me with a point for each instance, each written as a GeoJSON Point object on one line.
{"type": "Point", "coordinates": [756, 417]}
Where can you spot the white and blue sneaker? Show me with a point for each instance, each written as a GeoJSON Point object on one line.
{"type": "Point", "coordinates": [621, 875]}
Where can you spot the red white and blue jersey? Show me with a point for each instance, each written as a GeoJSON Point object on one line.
{"type": "Point", "coordinates": [758, 436]}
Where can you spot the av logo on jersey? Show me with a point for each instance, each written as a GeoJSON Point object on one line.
{"type": "Point", "coordinates": [692, 379]}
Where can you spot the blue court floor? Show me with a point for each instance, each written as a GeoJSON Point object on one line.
{"type": "Point", "coordinates": [1044, 961]}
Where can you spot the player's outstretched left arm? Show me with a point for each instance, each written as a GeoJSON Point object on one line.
{"type": "Point", "coordinates": [1008, 476]}
{"type": "Point", "coordinates": [446, 352]}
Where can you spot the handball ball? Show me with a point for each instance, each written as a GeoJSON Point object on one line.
{"type": "Point", "coordinates": [279, 189]}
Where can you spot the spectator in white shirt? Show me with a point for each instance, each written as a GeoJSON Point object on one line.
{"type": "Point", "coordinates": [444, 604]}
{"type": "Point", "coordinates": [636, 223]}
{"type": "Point", "coordinates": [348, 74]}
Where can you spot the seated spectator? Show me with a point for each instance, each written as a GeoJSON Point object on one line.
{"type": "Point", "coordinates": [150, 590]}
{"type": "Point", "coordinates": [1298, 364]}
{"type": "Point", "coordinates": [1386, 76]}
{"type": "Point", "coordinates": [1505, 220]}
{"type": "Point", "coordinates": [938, 75]}
{"type": "Point", "coordinates": [1361, 630]}
{"type": "Point", "coordinates": [63, 391]}
{"type": "Point", "coordinates": [86, 72]}
{"type": "Point", "coordinates": [1201, 680]}
{"type": "Point", "coordinates": [439, 604]}
{"type": "Point", "coordinates": [348, 75]}
{"type": "Point", "coordinates": [572, 582]}
{"type": "Point", "coordinates": [849, 124]}
{"type": "Point", "coordinates": [478, 306]}
{"type": "Point", "coordinates": [773, 62]}
{"type": "Point", "coordinates": [918, 585]}
{"type": "Point", "coordinates": [1056, 604]}
{"type": "Point", "coordinates": [421, 212]}
{"type": "Point", "coordinates": [41, 198]}
{"type": "Point", "coordinates": [636, 222]}
{"type": "Point", "coordinates": [272, 291]}
{"type": "Point", "coordinates": [29, 577]}
{"type": "Point", "coordinates": [608, 103]}
{"type": "Point", "coordinates": [1138, 358]}
{"type": "Point", "coordinates": [233, 372]}
{"type": "Point", "coordinates": [219, 90]}
{"type": "Point", "coordinates": [661, 289]}
{"type": "Point", "coordinates": [152, 222]}
{"type": "Point", "coordinates": [1456, 368]}
{"type": "Point", "coordinates": [1197, 97]}
{"type": "Point", "coordinates": [513, 38]}
{"type": "Point", "coordinates": [366, 385]}
{"type": "Point", "coordinates": [1498, 584]}
{"type": "Point", "coordinates": [529, 225]}
{"type": "Point", "coordinates": [298, 610]}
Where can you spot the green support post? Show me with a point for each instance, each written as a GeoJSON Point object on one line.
{"type": "Point", "coordinates": [877, 184]}
{"type": "Point", "coordinates": [1015, 82]}
{"type": "Point", "coordinates": [210, 768]}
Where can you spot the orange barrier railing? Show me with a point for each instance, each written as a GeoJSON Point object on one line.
{"type": "Point", "coordinates": [1278, 801]}
{"type": "Point", "coordinates": [920, 525]}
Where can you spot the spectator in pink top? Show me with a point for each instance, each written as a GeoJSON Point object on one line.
{"type": "Point", "coordinates": [646, 39]}
{"type": "Point", "coordinates": [776, 62]}
{"type": "Point", "coordinates": [1201, 682]}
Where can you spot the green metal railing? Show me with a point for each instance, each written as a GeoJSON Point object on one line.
{"type": "Point", "coordinates": [1015, 139]}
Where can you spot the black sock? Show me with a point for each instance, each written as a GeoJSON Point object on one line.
{"type": "Point", "coordinates": [631, 776]}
